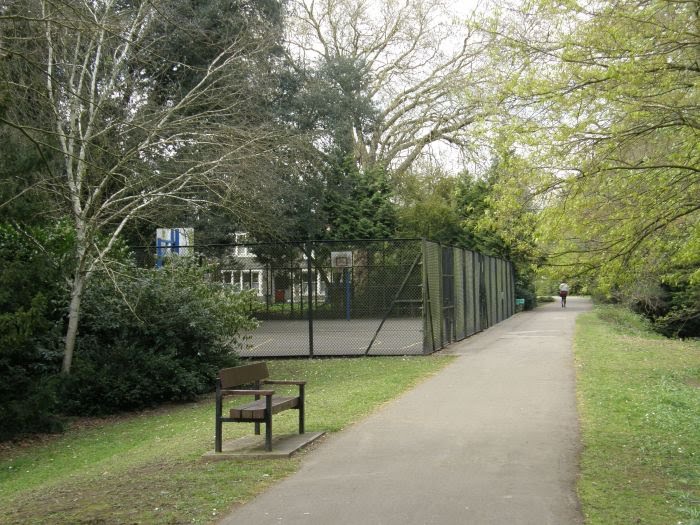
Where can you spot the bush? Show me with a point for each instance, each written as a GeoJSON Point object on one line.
{"type": "Point", "coordinates": [624, 319]}
{"type": "Point", "coordinates": [29, 400]}
{"type": "Point", "coordinates": [151, 336]}
{"type": "Point", "coordinates": [679, 312]}
{"type": "Point", "coordinates": [525, 289]}
{"type": "Point", "coordinates": [33, 302]}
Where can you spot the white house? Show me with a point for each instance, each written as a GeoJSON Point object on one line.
{"type": "Point", "coordinates": [243, 271]}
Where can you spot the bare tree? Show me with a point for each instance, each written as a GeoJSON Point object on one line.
{"type": "Point", "coordinates": [121, 133]}
{"type": "Point", "coordinates": [424, 70]}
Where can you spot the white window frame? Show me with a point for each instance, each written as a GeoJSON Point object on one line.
{"type": "Point", "coordinates": [237, 279]}
{"type": "Point", "coordinates": [301, 289]}
{"type": "Point", "coordinates": [242, 251]}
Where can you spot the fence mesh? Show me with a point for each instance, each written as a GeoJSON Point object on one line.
{"type": "Point", "coordinates": [333, 298]}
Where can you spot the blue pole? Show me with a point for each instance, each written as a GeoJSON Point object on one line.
{"type": "Point", "coordinates": [175, 240]}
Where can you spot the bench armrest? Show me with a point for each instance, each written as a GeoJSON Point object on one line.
{"type": "Point", "coordinates": [246, 392]}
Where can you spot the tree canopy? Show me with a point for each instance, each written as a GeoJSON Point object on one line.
{"type": "Point", "coordinates": [305, 119]}
{"type": "Point", "coordinates": [413, 60]}
{"type": "Point", "coordinates": [134, 107]}
{"type": "Point", "coordinates": [608, 97]}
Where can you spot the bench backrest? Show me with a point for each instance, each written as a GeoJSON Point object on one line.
{"type": "Point", "coordinates": [243, 375]}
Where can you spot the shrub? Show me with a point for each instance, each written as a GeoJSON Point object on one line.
{"type": "Point", "coordinates": [29, 402]}
{"type": "Point", "coordinates": [625, 319]}
{"type": "Point", "coordinates": [150, 336]}
{"type": "Point", "coordinates": [525, 289]}
{"type": "Point", "coordinates": [679, 312]}
{"type": "Point", "coordinates": [32, 305]}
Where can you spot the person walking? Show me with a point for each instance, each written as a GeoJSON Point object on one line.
{"type": "Point", "coordinates": [563, 292]}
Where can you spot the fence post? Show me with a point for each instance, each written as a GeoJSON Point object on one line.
{"type": "Point", "coordinates": [428, 307]}
{"type": "Point", "coordinates": [309, 290]}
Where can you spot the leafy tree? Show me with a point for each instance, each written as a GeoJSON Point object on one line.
{"type": "Point", "coordinates": [331, 101]}
{"type": "Point", "coordinates": [121, 132]}
{"type": "Point", "coordinates": [329, 194]}
{"type": "Point", "coordinates": [357, 204]}
{"type": "Point", "coordinates": [429, 206]}
{"type": "Point", "coordinates": [611, 133]}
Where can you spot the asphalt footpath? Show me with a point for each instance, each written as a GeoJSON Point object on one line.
{"type": "Point", "coordinates": [491, 439]}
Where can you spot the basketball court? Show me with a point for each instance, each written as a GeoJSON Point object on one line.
{"type": "Point", "coordinates": [333, 337]}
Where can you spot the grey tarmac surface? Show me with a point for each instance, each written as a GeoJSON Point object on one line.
{"type": "Point", "coordinates": [491, 439]}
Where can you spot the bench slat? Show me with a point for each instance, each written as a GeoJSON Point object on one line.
{"type": "Point", "coordinates": [256, 409]}
{"type": "Point", "coordinates": [243, 375]}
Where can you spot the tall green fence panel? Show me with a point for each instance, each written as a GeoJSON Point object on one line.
{"type": "Point", "coordinates": [460, 294]}
{"type": "Point", "coordinates": [432, 297]}
{"type": "Point", "coordinates": [470, 289]}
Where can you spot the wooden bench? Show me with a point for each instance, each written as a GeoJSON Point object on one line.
{"type": "Point", "coordinates": [247, 380]}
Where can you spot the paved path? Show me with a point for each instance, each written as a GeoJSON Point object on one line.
{"type": "Point", "coordinates": [492, 439]}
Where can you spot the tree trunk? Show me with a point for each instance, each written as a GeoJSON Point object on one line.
{"type": "Point", "coordinates": [76, 295]}
{"type": "Point", "coordinates": [77, 287]}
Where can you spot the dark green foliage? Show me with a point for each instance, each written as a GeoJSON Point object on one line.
{"type": "Point", "coordinates": [429, 207]}
{"type": "Point", "coordinates": [674, 310]}
{"type": "Point", "coordinates": [524, 289]}
{"type": "Point", "coordinates": [197, 32]}
{"type": "Point", "coordinates": [161, 335]}
{"type": "Point", "coordinates": [32, 307]}
{"type": "Point", "coordinates": [29, 361]}
{"type": "Point", "coordinates": [148, 336]}
{"type": "Point", "coordinates": [333, 194]}
{"type": "Point", "coordinates": [331, 102]}
{"type": "Point", "coordinates": [28, 402]}
{"type": "Point", "coordinates": [115, 378]}
{"type": "Point", "coordinates": [28, 392]}
{"type": "Point", "coordinates": [357, 205]}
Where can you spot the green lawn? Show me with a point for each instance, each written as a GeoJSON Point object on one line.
{"type": "Point", "coordinates": [147, 468]}
{"type": "Point", "coordinates": [639, 403]}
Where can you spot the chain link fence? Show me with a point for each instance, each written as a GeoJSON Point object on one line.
{"type": "Point", "coordinates": [343, 298]}
{"type": "Point", "coordinates": [465, 292]}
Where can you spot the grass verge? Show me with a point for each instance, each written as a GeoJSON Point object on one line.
{"type": "Point", "coordinates": [146, 468]}
{"type": "Point", "coordinates": [639, 403]}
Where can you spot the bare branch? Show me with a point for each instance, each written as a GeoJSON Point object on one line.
{"type": "Point", "coordinates": [419, 67]}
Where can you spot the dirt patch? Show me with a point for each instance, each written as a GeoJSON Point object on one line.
{"type": "Point", "coordinates": [106, 499]}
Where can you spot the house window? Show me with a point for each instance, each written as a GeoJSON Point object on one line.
{"type": "Point", "coordinates": [243, 279]}
{"type": "Point", "coordinates": [302, 289]}
{"type": "Point", "coordinates": [242, 251]}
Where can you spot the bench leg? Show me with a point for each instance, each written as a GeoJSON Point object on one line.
{"type": "Point", "coordinates": [301, 409]}
{"type": "Point", "coordinates": [217, 437]}
{"type": "Point", "coordinates": [268, 435]}
{"type": "Point", "coordinates": [257, 429]}
{"type": "Point", "coordinates": [268, 424]}
{"type": "Point", "coordinates": [217, 429]}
